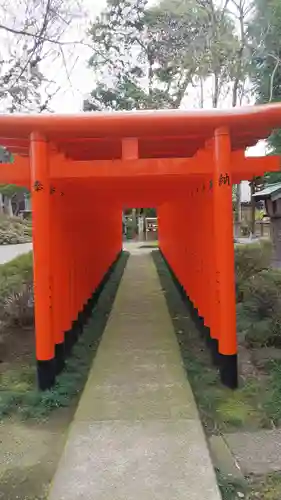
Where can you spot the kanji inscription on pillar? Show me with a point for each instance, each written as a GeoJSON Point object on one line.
{"type": "Point", "coordinates": [224, 180]}
{"type": "Point", "coordinates": [38, 186]}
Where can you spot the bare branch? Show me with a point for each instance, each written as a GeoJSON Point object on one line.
{"type": "Point", "coordinates": [278, 61]}
{"type": "Point", "coordinates": [37, 38]}
{"type": "Point", "coordinates": [37, 43]}
{"type": "Point", "coordinates": [224, 8]}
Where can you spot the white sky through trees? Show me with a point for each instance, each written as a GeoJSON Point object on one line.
{"type": "Point", "coordinates": [79, 80]}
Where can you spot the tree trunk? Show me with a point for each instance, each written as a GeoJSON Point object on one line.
{"type": "Point", "coordinates": [8, 210]}
{"type": "Point", "coordinates": [253, 209]}
{"type": "Point", "coordinates": [134, 221]}
{"type": "Point", "coordinates": [216, 90]}
{"type": "Point", "coordinates": [201, 92]}
{"type": "Point", "coordinates": [276, 241]}
{"type": "Point", "coordinates": [1, 204]}
{"type": "Point", "coordinates": [27, 203]}
{"type": "Point", "coordinates": [238, 203]}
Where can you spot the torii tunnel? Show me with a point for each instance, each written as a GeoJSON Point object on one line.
{"type": "Point", "coordinates": [83, 169]}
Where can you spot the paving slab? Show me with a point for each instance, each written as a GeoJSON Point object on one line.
{"type": "Point", "coordinates": [136, 434]}
{"type": "Point", "coordinates": [137, 460]}
{"type": "Point", "coordinates": [256, 452]}
{"type": "Point", "coordinates": [137, 402]}
{"type": "Point", "coordinates": [223, 458]}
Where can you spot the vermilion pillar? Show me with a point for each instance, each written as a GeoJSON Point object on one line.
{"type": "Point", "coordinates": [57, 276]}
{"type": "Point", "coordinates": [40, 189]}
{"type": "Point", "coordinates": [225, 321]}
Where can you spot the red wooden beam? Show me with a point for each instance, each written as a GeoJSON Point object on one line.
{"type": "Point", "coordinates": [241, 168]}
{"type": "Point", "coordinates": [17, 172]}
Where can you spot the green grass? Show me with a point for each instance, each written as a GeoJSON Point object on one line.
{"type": "Point", "coordinates": [18, 392]}
{"type": "Point", "coordinates": [20, 266]}
{"type": "Point", "coordinates": [14, 230]}
{"type": "Point", "coordinates": [230, 488]}
{"type": "Point", "coordinates": [14, 274]}
{"type": "Point", "coordinates": [258, 488]}
{"type": "Point", "coordinates": [266, 488]}
{"type": "Point", "coordinates": [273, 397]}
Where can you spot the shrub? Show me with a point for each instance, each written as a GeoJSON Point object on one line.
{"type": "Point", "coordinates": [276, 329]}
{"type": "Point", "coordinates": [21, 267]}
{"type": "Point", "coordinates": [19, 307]}
{"type": "Point", "coordinates": [250, 260]}
{"type": "Point", "coordinates": [262, 294]}
{"type": "Point", "coordinates": [262, 304]}
{"type": "Point", "coordinates": [260, 334]}
{"type": "Point", "coordinates": [16, 290]}
{"type": "Point", "coordinates": [14, 230]}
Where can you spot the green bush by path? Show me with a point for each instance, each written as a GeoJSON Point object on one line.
{"type": "Point", "coordinates": [258, 288]}
{"type": "Point", "coordinates": [250, 260]}
{"type": "Point", "coordinates": [14, 230]}
{"type": "Point", "coordinates": [18, 307]}
{"type": "Point", "coordinates": [16, 291]}
{"type": "Point", "coordinates": [259, 315]}
{"type": "Point", "coordinates": [260, 311]}
{"type": "Point", "coordinates": [262, 294]}
{"type": "Point", "coordinates": [21, 267]}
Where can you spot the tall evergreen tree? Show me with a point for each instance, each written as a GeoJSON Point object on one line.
{"type": "Point", "coordinates": [149, 58]}
{"type": "Point", "coordinates": [265, 36]}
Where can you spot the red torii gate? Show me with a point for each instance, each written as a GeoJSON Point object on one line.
{"type": "Point", "coordinates": [81, 170]}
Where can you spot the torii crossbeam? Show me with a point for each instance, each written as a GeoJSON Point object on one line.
{"type": "Point", "coordinates": [81, 170]}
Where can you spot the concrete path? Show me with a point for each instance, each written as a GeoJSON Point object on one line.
{"type": "Point", "coordinates": [139, 247]}
{"type": "Point", "coordinates": [9, 252]}
{"type": "Point", "coordinates": [136, 434]}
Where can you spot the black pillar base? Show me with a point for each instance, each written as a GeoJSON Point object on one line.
{"type": "Point", "coordinates": [214, 350]}
{"type": "Point", "coordinates": [227, 364]}
{"type": "Point", "coordinates": [83, 316]}
{"type": "Point", "coordinates": [205, 333]}
{"type": "Point", "coordinates": [200, 325]}
{"type": "Point", "coordinates": [76, 330]}
{"type": "Point", "coordinates": [81, 321]}
{"type": "Point", "coordinates": [59, 356]}
{"type": "Point", "coordinates": [46, 374]}
{"type": "Point", "coordinates": [87, 310]}
{"type": "Point", "coordinates": [229, 370]}
{"type": "Point", "coordinates": [69, 341]}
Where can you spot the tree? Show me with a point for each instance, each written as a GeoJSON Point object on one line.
{"type": "Point", "coordinates": [241, 9]}
{"type": "Point", "coordinates": [8, 192]}
{"type": "Point", "coordinates": [32, 34]}
{"type": "Point", "coordinates": [152, 57]}
{"type": "Point", "coordinates": [265, 31]}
